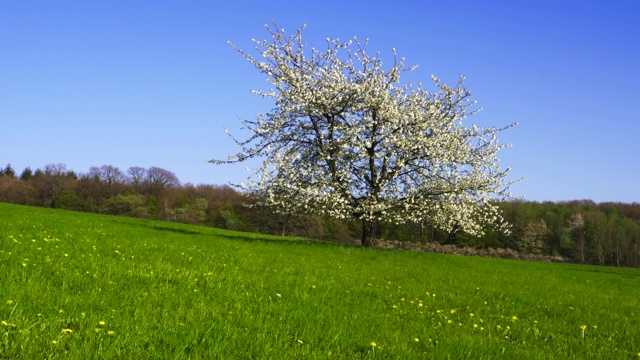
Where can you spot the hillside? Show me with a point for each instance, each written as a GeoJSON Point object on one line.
{"type": "Point", "coordinates": [80, 285]}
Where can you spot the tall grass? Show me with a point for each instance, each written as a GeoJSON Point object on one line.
{"type": "Point", "coordinates": [78, 285]}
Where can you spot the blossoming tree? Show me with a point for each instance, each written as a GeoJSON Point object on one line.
{"type": "Point", "coordinates": [347, 140]}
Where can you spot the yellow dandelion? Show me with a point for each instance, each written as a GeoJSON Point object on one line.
{"type": "Point", "coordinates": [9, 302]}
{"type": "Point", "coordinates": [450, 321]}
{"type": "Point", "coordinates": [472, 314]}
{"type": "Point", "coordinates": [97, 330]}
{"type": "Point", "coordinates": [61, 311]}
{"type": "Point", "coordinates": [300, 342]}
{"type": "Point", "coordinates": [67, 331]}
{"type": "Point", "coordinates": [4, 323]}
{"type": "Point", "coordinates": [54, 342]}
{"type": "Point", "coordinates": [583, 327]}
{"type": "Point", "coordinates": [452, 311]}
{"type": "Point", "coordinates": [475, 326]}
{"type": "Point", "coordinates": [595, 326]}
{"type": "Point", "coordinates": [373, 344]}
{"type": "Point", "coordinates": [416, 339]}
{"type": "Point", "coordinates": [101, 322]}
{"type": "Point", "coordinates": [110, 332]}
{"type": "Point", "coordinates": [513, 318]}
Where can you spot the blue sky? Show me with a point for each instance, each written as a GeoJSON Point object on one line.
{"type": "Point", "coordinates": [154, 83]}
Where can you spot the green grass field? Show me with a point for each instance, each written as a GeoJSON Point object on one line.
{"type": "Point", "coordinates": [82, 286]}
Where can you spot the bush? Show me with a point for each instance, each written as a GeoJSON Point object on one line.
{"type": "Point", "coordinates": [127, 205]}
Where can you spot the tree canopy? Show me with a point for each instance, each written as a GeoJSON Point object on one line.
{"type": "Point", "coordinates": [346, 139]}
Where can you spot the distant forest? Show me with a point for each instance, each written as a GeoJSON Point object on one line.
{"type": "Point", "coordinates": [579, 231]}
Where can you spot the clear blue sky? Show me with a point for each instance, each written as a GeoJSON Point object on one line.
{"type": "Point", "coordinates": [153, 83]}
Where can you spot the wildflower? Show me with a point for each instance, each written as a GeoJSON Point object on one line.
{"type": "Point", "coordinates": [54, 342]}
{"type": "Point", "coordinates": [101, 322]}
{"type": "Point", "coordinates": [9, 302]}
{"type": "Point", "coordinates": [373, 344]}
{"type": "Point", "coordinates": [61, 311]}
{"type": "Point", "coordinates": [67, 331]}
{"type": "Point", "coordinates": [472, 314]}
{"type": "Point", "coordinates": [595, 327]}
{"type": "Point", "coordinates": [97, 330]}
{"type": "Point", "coordinates": [416, 339]}
{"type": "Point", "coordinates": [110, 332]}
{"type": "Point", "coordinates": [475, 326]}
{"type": "Point", "coordinates": [452, 311]}
{"type": "Point", "coordinates": [4, 323]}
{"type": "Point", "coordinates": [583, 328]}
{"type": "Point", "coordinates": [313, 286]}
{"type": "Point", "coordinates": [300, 342]}
{"type": "Point", "coordinates": [513, 318]}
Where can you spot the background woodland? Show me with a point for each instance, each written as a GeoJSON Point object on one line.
{"type": "Point", "coordinates": [579, 231]}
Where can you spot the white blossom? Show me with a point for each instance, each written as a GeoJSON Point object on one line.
{"type": "Point", "coordinates": [347, 140]}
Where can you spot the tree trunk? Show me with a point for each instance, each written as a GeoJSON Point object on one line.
{"type": "Point", "coordinates": [368, 232]}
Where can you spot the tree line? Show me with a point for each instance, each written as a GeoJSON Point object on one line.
{"type": "Point", "coordinates": [580, 231]}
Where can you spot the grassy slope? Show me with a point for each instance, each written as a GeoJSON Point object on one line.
{"type": "Point", "coordinates": [176, 291]}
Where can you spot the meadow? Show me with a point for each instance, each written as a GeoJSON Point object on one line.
{"type": "Point", "coordinates": [82, 286]}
